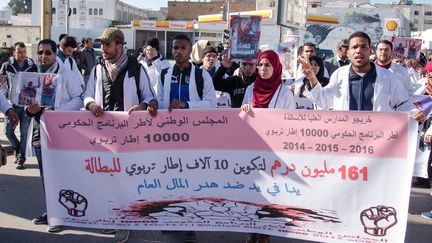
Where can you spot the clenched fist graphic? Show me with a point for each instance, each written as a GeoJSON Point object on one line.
{"type": "Point", "coordinates": [377, 220]}
{"type": "Point", "coordinates": [74, 202]}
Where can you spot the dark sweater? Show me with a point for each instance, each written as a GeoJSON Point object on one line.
{"type": "Point", "coordinates": [234, 85]}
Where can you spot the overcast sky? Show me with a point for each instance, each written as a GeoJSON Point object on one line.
{"type": "Point", "coordinates": [156, 4]}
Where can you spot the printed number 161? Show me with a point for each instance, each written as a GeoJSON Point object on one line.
{"type": "Point", "coordinates": [353, 173]}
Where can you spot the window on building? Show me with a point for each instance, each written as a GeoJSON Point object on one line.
{"type": "Point", "coordinates": [90, 11]}
{"type": "Point", "coordinates": [53, 10]}
{"type": "Point", "coordinates": [428, 13]}
{"type": "Point", "coordinates": [95, 11]}
{"type": "Point", "coordinates": [416, 12]}
{"type": "Point", "coordinates": [82, 14]}
{"type": "Point", "coordinates": [74, 11]}
{"type": "Point", "coordinates": [100, 11]}
{"type": "Point", "coordinates": [428, 22]}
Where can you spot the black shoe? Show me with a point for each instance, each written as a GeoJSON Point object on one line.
{"type": "Point", "coordinates": [54, 229]}
{"type": "Point", "coordinates": [109, 231]}
{"type": "Point", "coordinates": [21, 165]}
{"type": "Point", "coordinates": [419, 182]}
{"type": "Point", "coordinates": [43, 219]}
{"type": "Point", "coordinates": [190, 237]}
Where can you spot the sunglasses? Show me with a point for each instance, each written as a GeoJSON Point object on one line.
{"type": "Point", "coordinates": [47, 53]}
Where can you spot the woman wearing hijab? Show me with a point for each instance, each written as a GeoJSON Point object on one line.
{"type": "Point", "coordinates": [197, 51]}
{"type": "Point", "coordinates": [268, 90]}
{"type": "Point", "coordinates": [317, 66]}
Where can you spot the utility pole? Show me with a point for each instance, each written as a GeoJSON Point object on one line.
{"type": "Point", "coordinates": [67, 17]}
{"type": "Point", "coordinates": [46, 6]}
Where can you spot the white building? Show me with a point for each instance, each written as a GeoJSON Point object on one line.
{"type": "Point", "coordinates": [420, 15]}
{"type": "Point", "coordinates": [91, 13]}
{"type": "Point", "coordinates": [5, 15]}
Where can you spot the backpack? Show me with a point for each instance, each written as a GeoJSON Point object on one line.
{"type": "Point", "coordinates": [133, 68]}
{"type": "Point", "coordinates": [199, 80]}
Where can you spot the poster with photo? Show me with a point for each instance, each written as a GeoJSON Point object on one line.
{"type": "Point", "coordinates": [38, 87]}
{"type": "Point", "coordinates": [406, 47]}
{"type": "Point", "coordinates": [287, 52]}
{"type": "Point", "coordinates": [244, 37]}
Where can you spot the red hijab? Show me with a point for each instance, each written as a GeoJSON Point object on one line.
{"type": "Point", "coordinates": [264, 89]}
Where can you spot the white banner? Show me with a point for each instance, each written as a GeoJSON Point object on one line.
{"type": "Point", "coordinates": [317, 175]}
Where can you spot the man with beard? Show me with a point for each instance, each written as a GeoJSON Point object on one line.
{"type": "Point", "coordinates": [362, 85]}
{"type": "Point", "coordinates": [118, 83]}
{"type": "Point", "coordinates": [384, 54]}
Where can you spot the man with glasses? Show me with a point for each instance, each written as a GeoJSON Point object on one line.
{"type": "Point", "coordinates": [19, 62]}
{"type": "Point", "coordinates": [235, 85]}
{"type": "Point", "coordinates": [68, 98]}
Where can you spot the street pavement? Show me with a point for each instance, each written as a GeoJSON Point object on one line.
{"type": "Point", "coordinates": [22, 199]}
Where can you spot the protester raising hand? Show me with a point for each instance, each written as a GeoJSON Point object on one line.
{"type": "Point", "coordinates": [308, 71]}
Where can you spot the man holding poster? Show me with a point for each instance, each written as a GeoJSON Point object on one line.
{"type": "Point", "coordinates": [19, 62]}
{"type": "Point", "coordinates": [69, 99]}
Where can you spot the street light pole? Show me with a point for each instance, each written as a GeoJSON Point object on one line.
{"type": "Point", "coordinates": [46, 8]}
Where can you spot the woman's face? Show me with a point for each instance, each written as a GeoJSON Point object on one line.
{"type": "Point", "coordinates": [315, 67]}
{"type": "Point", "coordinates": [265, 69]}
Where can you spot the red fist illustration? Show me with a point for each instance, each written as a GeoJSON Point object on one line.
{"type": "Point", "coordinates": [377, 220]}
{"type": "Point", "coordinates": [74, 202]}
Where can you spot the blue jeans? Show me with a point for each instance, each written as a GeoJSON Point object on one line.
{"type": "Point", "coordinates": [18, 145]}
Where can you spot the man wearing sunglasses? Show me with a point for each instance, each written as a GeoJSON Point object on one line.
{"type": "Point", "coordinates": [69, 97]}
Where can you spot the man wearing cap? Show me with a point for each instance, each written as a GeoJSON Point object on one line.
{"type": "Point", "coordinates": [341, 59]}
{"type": "Point", "coordinates": [118, 83]}
{"type": "Point", "coordinates": [384, 52]}
{"type": "Point", "coordinates": [153, 62]}
{"type": "Point", "coordinates": [66, 48]}
{"type": "Point", "coordinates": [183, 85]}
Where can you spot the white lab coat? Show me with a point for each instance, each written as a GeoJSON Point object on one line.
{"type": "Point", "coordinates": [74, 68]}
{"type": "Point", "coordinates": [70, 89]}
{"type": "Point", "coordinates": [387, 93]}
{"type": "Point", "coordinates": [282, 99]}
{"type": "Point", "coordinates": [155, 70]}
{"type": "Point", "coordinates": [94, 90]}
{"type": "Point", "coordinates": [404, 77]}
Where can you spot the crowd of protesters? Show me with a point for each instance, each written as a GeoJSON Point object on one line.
{"type": "Point", "coordinates": [201, 75]}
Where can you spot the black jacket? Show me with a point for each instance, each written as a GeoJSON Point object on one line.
{"type": "Point", "coordinates": [234, 85]}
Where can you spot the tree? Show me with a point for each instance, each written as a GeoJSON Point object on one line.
{"type": "Point", "coordinates": [20, 6]}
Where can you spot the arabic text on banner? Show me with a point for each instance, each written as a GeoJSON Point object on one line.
{"type": "Point", "coordinates": [314, 175]}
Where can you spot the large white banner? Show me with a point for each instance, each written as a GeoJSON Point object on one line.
{"type": "Point", "coordinates": [315, 175]}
